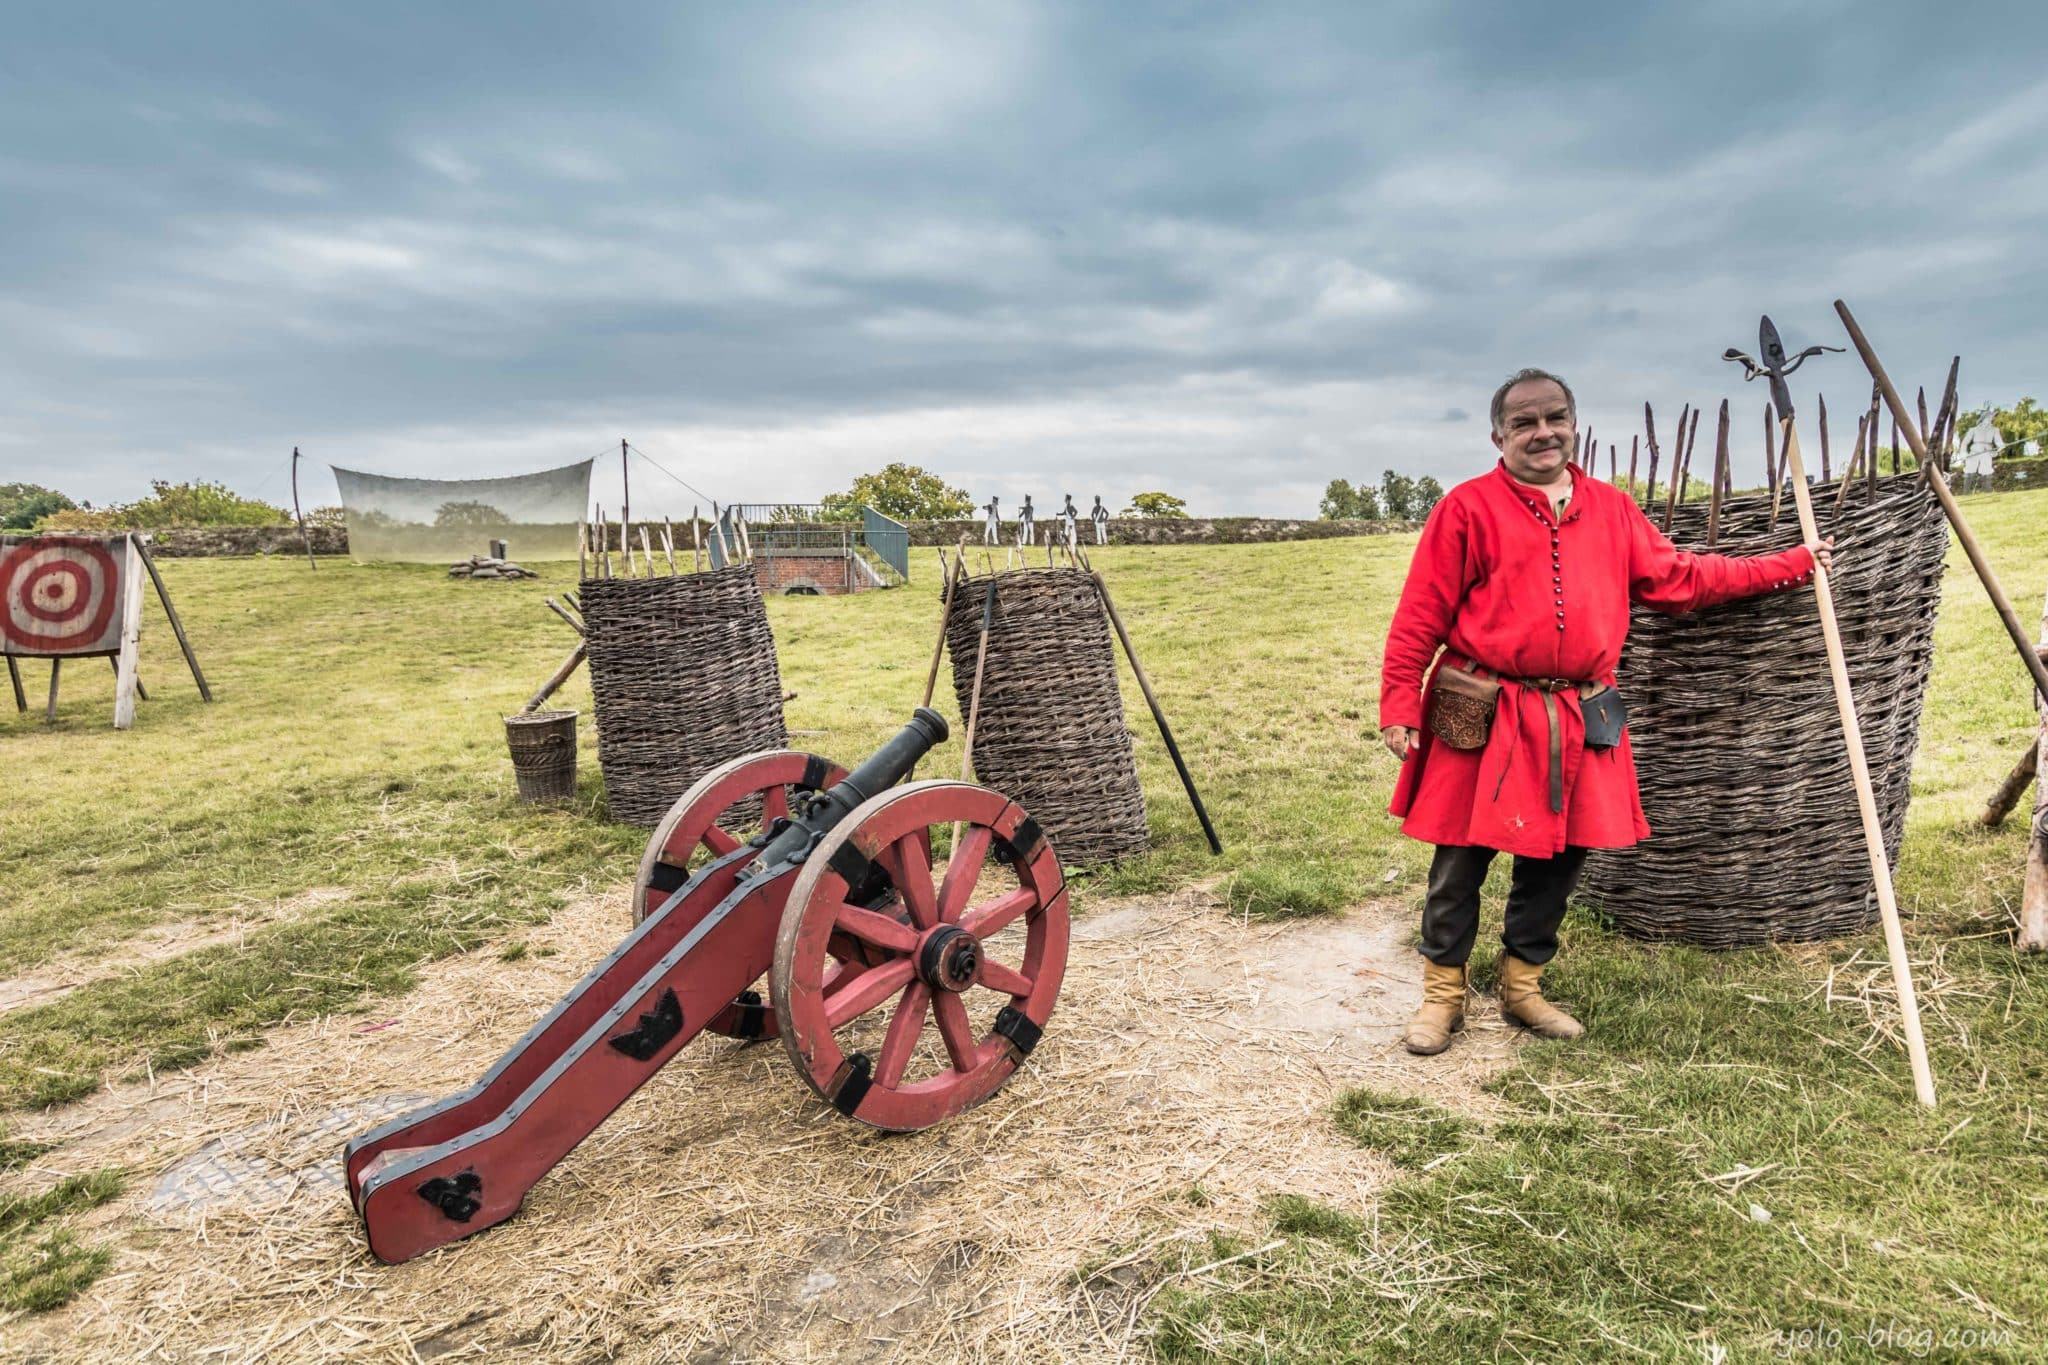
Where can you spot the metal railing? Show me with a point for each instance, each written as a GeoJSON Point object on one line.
{"type": "Point", "coordinates": [812, 531]}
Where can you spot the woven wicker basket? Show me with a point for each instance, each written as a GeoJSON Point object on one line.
{"type": "Point", "coordinates": [1743, 772]}
{"type": "Point", "coordinates": [1051, 734]}
{"type": "Point", "coordinates": [543, 745]}
{"type": "Point", "coordinates": [684, 676]}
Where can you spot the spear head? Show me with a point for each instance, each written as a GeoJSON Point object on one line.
{"type": "Point", "coordinates": [1775, 365]}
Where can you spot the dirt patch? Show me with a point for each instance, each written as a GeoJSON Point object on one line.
{"type": "Point", "coordinates": [723, 1213]}
{"type": "Point", "coordinates": [56, 979]}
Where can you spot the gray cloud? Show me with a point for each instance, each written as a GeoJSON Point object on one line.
{"type": "Point", "coordinates": [1039, 248]}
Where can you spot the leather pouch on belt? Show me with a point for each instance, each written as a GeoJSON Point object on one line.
{"type": "Point", "coordinates": [1604, 716]}
{"type": "Point", "coordinates": [1461, 707]}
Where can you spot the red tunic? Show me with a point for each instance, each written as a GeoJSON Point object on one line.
{"type": "Point", "coordinates": [1499, 582]}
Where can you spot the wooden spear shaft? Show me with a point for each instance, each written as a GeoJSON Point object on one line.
{"type": "Point", "coordinates": [1859, 770]}
{"type": "Point", "coordinates": [2022, 641]}
{"type": "Point", "coordinates": [1158, 715]}
{"type": "Point", "coordinates": [988, 619]}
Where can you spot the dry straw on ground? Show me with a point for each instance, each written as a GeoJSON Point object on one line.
{"type": "Point", "coordinates": [724, 1214]}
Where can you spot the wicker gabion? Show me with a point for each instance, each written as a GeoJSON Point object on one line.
{"type": "Point", "coordinates": [1050, 734]}
{"type": "Point", "coordinates": [684, 676]}
{"type": "Point", "coordinates": [1743, 772]}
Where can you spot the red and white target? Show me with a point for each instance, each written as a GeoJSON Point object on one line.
{"type": "Point", "coordinates": [61, 595]}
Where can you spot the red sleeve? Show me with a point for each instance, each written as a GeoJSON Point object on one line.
{"type": "Point", "coordinates": [1438, 578]}
{"type": "Point", "coordinates": [1668, 579]}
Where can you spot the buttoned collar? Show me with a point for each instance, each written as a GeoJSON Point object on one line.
{"type": "Point", "coordinates": [1537, 500]}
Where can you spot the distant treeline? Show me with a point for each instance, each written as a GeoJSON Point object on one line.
{"type": "Point", "coordinates": [1398, 498]}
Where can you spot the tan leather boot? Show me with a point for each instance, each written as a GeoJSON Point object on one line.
{"type": "Point", "coordinates": [1442, 1012]}
{"type": "Point", "coordinates": [1521, 999]}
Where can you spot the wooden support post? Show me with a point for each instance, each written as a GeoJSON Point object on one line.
{"type": "Point", "coordinates": [2008, 794]}
{"type": "Point", "coordinates": [114, 662]}
{"type": "Point", "coordinates": [303, 535]}
{"type": "Point", "coordinates": [163, 595]}
{"type": "Point", "coordinates": [547, 689]}
{"type": "Point", "coordinates": [696, 542]}
{"type": "Point", "coordinates": [131, 636]}
{"type": "Point", "coordinates": [668, 545]}
{"type": "Point", "coordinates": [1632, 449]}
{"type": "Point", "coordinates": [1650, 484]}
{"type": "Point", "coordinates": [1866, 798]}
{"type": "Point", "coordinates": [556, 608]}
{"type": "Point", "coordinates": [988, 619]}
{"type": "Point", "coordinates": [1677, 467]}
{"type": "Point", "coordinates": [582, 550]}
{"type": "Point", "coordinates": [646, 549]}
{"type": "Point", "coordinates": [1822, 404]}
{"type": "Point", "coordinates": [14, 676]}
{"type": "Point", "coordinates": [1180, 766]}
{"type": "Point", "coordinates": [1771, 458]}
{"type": "Point", "coordinates": [2033, 936]}
{"type": "Point", "coordinates": [50, 711]}
{"type": "Point", "coordinates": [1720, 475]}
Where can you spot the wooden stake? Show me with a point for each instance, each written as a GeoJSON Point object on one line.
{"type": "Point", "coordinates": [646, 549]}
{"type": "Point", "coordinates": [988, 618]}
{"type": "Point", "coordinates": [2033, 935]}
{"type": "Point", "coordinates": [50, 712]}
{"type": "Point", "coordinates": [1859, 770]}
{"type": "Point", "coordinates": [163, 595]}
{"type": "Point", "coordinates": [1822, 404]}
{"type": "Point", "coordinates": [1945, 416]}
{"type": "Point", "coordinates": [1720, 475]}
{"type": "Point", "coordinates": [668, 545]}
{"type": "Point", "coordinates": [131, 637]}
{"type": "Point", "coordinates": [582, 550]}
{"type": "Point", "coordinates": [1158, 715]}
{"type": "Point", "coordinates": [556, 608]}
{"type": "Point", "coordinates": [2008, 794]}
{"type": "Point", "coordinates": [1680, 459]}
{"type": "Point", "coordinates": [1650, 487]}
{"type": "Point", "coordinates": [952, 575]}
{"type": "Point", "coordinates": [1985, 574]}
{"type": "Point", "coordinates": [718, 530]}
{"type": "Point", "coordinates": [114, 662]}
{"type": "Point", "coordinates": [1632, 444]}
{"type": "Point", "coordinates": [1855, 462]}
{"type": "Point", "coordinates": [547, 689]}
{"type": "Point", "coordinates": [1771, 458]}
{"type": "Point", "coordinates": [14, 676]}
{"type": "Point", "coordinates": [696, 542]}
{"type": "Point", "coordinates": [297, 513]}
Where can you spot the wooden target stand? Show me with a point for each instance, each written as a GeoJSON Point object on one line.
{"type": "Point", "coordinates": [80, 597]}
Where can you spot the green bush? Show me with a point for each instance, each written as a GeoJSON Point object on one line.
{"type": "Point", "coordinates": [171, 504]}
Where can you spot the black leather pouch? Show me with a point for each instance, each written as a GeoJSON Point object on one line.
{"type": "Point", "coordinates": [1605, 716]}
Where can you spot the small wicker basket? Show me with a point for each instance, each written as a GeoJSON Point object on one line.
{"type": "Point", "coordinates": [543, 747]}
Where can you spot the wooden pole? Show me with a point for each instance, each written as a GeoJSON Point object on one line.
{"type": "Point", "coordinates": [988, 618]}
{"type": "Point", "coordinates": [1158, 715]}
{"type": "Point", "coordinates": [141, 692]}
{"type": "Point", "coordinates": [1855, 463]}
{"type": "Point", "coordinates": [696, 541]}
{"type": "Point", "coordinates": [131, 637]}
{"type": "Point", "coordinates": [625, 505]}
{"type": "Point", "coordinates": [303, 536]}
{"type": "Point", "coordinates": [14, 676]}
{"type": "Point", "coordinates": [2008, 794]}
{"type": "Point", "coordinates": [1771, 458]}
{"type": "Point", "coordinates": [556, 608]}
{"type": "Point", "coordinates": [1985, 574]}
{"type": "Point", "coordinates": [547, 689]}
{"type": "Point", "coordinates": [1945, 416]}
{"type": "Point", "coordinates": [1720, 475]}
{"type": "Point", "coordinates": [582, 550]}
{"type": "Point", "coordinates": [646, 549]}
{"type": "Point", "coordinates": [1632, 444]}
{"type": "Point", "coordinates": [163, 595]}
{"type": "Point", "coordinates": [718, 530]}
{"type": "Point", "coordinates": [50, 711]}
{"type": "Point", "coordinates": [1677, 472]}
{"type": "Point", "coordinates": [931, 679]}
{"type": "Point", "coordinates": [2033, 935]}
{"type": "Point", "coordinates": [1822, 404]}
{"type": "Point", "coordinates": [1859, 770]}
{"type": "Point", "coordinates": [1650, 484]}
{"type": "Point", "coordinates": [668, 545]}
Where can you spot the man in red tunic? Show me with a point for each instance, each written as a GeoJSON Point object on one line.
{"type": "Point", "coordinates": [1525, 575]}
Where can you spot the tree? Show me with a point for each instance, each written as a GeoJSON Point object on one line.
{"type": "Point", "coordinates": [906, 492]}
{"type": "Point", "coordinates": [172, 504]}
{"type": "Point", "coordinates": [1428, 493]}
{"type": "Point", "coordinates": [469, 514]}
{"type": "Point", "coordinates": [1397, 496]}
{"type": "Point", "coordinates": [1342, 502]}
{"type": "Point", "coordinates": [1158, 507]}
{"type": "Point", "coordinates": [22, 505]}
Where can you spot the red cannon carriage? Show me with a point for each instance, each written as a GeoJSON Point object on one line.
{"type": "Point", "coordinates": [903, 993]}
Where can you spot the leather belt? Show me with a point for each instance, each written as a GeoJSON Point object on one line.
{"type": "Point", "coordinates": [1550, 687]}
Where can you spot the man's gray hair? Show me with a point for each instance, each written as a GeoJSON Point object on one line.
{"type": "Point", "coordinates": [1529, 376]}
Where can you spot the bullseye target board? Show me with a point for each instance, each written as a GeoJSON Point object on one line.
{"type": "Point", "coordinates": [75, 596]}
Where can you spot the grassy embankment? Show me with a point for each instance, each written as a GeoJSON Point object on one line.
{"type": "Point", "coordinates": [356, 748]}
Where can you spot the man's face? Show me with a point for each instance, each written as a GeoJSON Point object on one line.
{"type": "Point", "coordinates": [1538, 433]}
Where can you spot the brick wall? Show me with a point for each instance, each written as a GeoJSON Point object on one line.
{"type": "Point", "coordinates": [829, 574]}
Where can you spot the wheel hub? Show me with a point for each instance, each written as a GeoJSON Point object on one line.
{"type": "Point", "coordinates": [949, 959]}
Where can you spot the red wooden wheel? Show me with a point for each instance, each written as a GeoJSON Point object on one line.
{"type": "Point", "coordinates": [719, 813]}
{"type": "Point", "coordinates": [726, 807]}
{"type": "Point", "coordinates": [957, 985]}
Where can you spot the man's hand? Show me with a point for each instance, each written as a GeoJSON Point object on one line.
{"type": "Point", "coordinates": [1823, 552]}
{"type": "Point", "coordinates": [1400, 740]}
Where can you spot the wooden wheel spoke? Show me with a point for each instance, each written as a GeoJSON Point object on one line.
{"type": "Point", "coordinates": [879, 930]}
{"type": "Point", "coordinates": [904, 1030]}
{"type": "Point", "coordinates": [866, 991]}
{"type": "Point", "coordinates": [1005, 980]}
{"type": "Point", "coordinates": [956, 1029]}
{"type": "Point", "coordinates": [774, 804]}
{"type": "Point", "coordinates": [719, 842]}
{"type": "Point", "coordinates": [963, 870]}
{"type": "Point", "coordinates": [986, 921]}
{"type": "Point", "coordinates": [909, 865]}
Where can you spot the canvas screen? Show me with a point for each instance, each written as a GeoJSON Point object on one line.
{"type": "Point", "coordinates": [443, 520]}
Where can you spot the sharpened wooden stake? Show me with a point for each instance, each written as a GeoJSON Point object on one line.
{"type": "Point", "coordinates": [556, 608]}
{"type": "Point", "coordinates": [547, 689]}
{"type": "Point", "coordinates": [2033, 935]}
{"type": "Point", "coordinates": [952, 573]}
{"type": "Point", "coordinates": [668, 545]}
{"type": "Point", "coordinates": [646, 549]}
{"type": "Point", "coordinates": [2008, 794]}
{"type": "Point", "coordinates": [1859, 770]}
{"type": "Point", "coordinates": [1720, 476]}
{"type": "Point", "coordinates": [131, 637]}
{"type": "Point", "coordinates": [1158, 715]}
{"type": "Point", "coordinates": [582, 550]}
{"type": "Point", "coordinates": [988, 619]}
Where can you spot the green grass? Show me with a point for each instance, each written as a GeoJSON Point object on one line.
{"type": "Point", "coordinates": [41, 1265]}
{"type": "Point", "coordinates": [357, 744]}
{"type": "Point", "coordinates": [1407, 1131]}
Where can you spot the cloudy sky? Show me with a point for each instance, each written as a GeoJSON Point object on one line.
{"type": "Point", "coordinates": [1229, 252]}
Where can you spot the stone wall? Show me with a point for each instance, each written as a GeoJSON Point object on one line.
{"type": "Point", "coordinates": [191, 542]}
{"type": "Point", "coordinates": [1172, 531]}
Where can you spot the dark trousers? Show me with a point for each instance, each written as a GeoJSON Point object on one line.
{"type": "Point", "coordinates": [1536, 897]}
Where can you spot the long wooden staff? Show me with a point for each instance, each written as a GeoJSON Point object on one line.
{"type": "Point", "coordinates": [1859, 769]}
{"type": "Point", "coordinates": [1158, 716]}
{"type": "Point", "coordinates": [2021, 640]}
{"type": "Point", "coordinates": [931, 680]}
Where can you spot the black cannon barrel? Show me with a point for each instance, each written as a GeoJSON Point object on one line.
{"type": "Point", "coordinates": [882, 770]}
